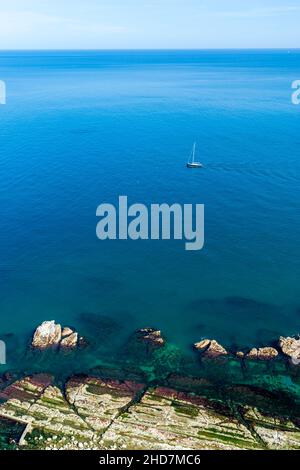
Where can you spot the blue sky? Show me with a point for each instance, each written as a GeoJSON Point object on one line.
{"type": "Point", "coordinates": [97, 24]}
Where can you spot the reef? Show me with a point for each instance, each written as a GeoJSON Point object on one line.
{"type": "Point", "coordinates": [241, 400]}
{"type": "Point", "coordinates": [92, 413]}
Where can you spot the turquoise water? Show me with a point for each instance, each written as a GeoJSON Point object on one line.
{"type": "Point", "coordinates": [82, 128]}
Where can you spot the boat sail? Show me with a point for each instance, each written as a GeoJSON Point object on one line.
{"type": "Point", "coordinates": [191, 163]}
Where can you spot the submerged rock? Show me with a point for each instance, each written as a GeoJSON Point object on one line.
{"type": "Point", "coordinates": [101, 327]}
{"type": "Point", "coordinates": [82, 342]}
{"type": "Point", "coordinates": [210, 348]}
{"type": "Point", "coordinates": [151, 336]}
{"type": "Point", "coordinates": [291, 348]}
{"type": "Point", "coordinates": [7, 377]}
{"type": "Point", "coordinates": [52, 335]}
{"type": "Point", "coordinates": [262, 354]}
{"type": "Point", "coordinates": [47, 335]}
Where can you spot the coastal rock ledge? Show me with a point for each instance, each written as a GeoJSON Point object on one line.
{"type": "Point", "coordinates": [51, 335]}
{"type": "Point", "coordinates": [210, 348]}
{"type": "Point", "coordinates": [92, 413]}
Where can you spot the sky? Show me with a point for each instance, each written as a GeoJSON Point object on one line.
{"type": "Point", "coordinates": [149, 24]}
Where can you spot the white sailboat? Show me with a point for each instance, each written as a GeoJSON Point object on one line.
{"type": "Point", "coordinates": [191, 163]}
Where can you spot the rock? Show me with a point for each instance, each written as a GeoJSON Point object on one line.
{"type": "Point", "coordinates": [267, 353]}
{"type": "Point", "coordinates": [152, 336]}
{"type": "Point", "coordinates": [92, 413]}
{"type": "Point", "coordinates": [70, 342]}
{"type": "Point", "coordinates": [48, 334]}
{"type": "Point", "coordinates": [291, 348]}
{"type": "Point", "coordinates": [252, 354]}
{"type": "Point", "coordinates": [23, 393]}
{"type": "Point", "coordinates": [36, 401]}
{"type": "Point", "coordinates": [9, 376]}
{"type": "Point", "coordinates": [210, 348]}
{"type": "Point", "coordinates": [262, 354]}
{"type": "Point", "coordinates": [277, 433]}
{"type": "Point", "coordinates": [100, 401]}
{"type": "Point", "coordinates": [66, 331]}
{"type": "Point", "coordinates": [167, 420]}
{"type": "Point", "coordinates": [240, 354]}
{"type": "Point", "coordinates": [52, 335]}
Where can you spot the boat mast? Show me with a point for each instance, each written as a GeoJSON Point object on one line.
{"type": "Point", "coordinates": [194, 151]}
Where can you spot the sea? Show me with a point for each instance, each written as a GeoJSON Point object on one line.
{"type": "Point", "coordinates": [81, 128]}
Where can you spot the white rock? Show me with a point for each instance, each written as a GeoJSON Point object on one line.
{"type": "Point", "coordinates": [48, 334]}
{"type": "Point", "coordinates": [291, 348]}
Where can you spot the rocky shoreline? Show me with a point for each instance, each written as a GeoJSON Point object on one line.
{"type": "Point", "coordinates": [287, 347]}
{"type": "Point", "coordinates": [113, 408]}
{"type": "Point", "coordinates": [52, 335]}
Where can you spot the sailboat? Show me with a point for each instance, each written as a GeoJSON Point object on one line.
{"type": "Point", "coordinates": [191, 163]}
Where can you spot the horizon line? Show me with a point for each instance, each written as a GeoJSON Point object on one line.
{"type": "Point", "coordinates": [158, 49]}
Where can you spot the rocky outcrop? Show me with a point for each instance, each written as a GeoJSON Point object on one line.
{"type": "Point", "coordinates": [151, 336]}
{"type": "Point", "coordinates": [291, 348]}
{"type": "Point", "coordinates": [47, 335]}
{"type": "Point", "coordinates": [210, 348]}
{"type": "Point", "coordinates": [50, 335]}
{"type": "Point", "coordinates": [240, 354]}
{"type": "Point", "coordinates": [262, 354]}
{"type": "Point", "coordinates": [69, 342]}
{"type": "Point", "coordinates": [66, 332]}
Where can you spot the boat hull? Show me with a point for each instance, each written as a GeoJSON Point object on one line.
{"type": "Point", "coordinates": [194, 165]}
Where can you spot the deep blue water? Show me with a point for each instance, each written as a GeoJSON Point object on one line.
{"type": "Point", "coordinates": [82, 128]}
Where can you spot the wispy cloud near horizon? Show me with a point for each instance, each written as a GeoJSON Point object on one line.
{"type": "Point", "coordinates": [21, 24]}
{"type": "Point", "coordinates": [144, 24]}
{"type": "Point", "coordinates": [259, 12]}
{"type": "Point", "coordinates": [13, 20]}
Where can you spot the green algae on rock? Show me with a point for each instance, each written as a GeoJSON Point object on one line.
{"type": "Point", "coordinates": [107, 414]}
{"type": "Point", "coordinates": [152, 397]}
